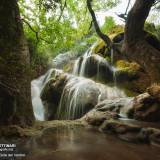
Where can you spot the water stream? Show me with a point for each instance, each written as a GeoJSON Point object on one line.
{"type": "Point", "coordinates": [80, 94]}
{"type": "Point", "coordinates": [36, 88]}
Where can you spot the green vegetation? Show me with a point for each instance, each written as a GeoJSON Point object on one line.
{"type": "Point", "coordinates": [54, 27]}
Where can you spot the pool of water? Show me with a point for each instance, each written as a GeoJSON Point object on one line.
{"type": "Point", "coordinates": [84, 144]}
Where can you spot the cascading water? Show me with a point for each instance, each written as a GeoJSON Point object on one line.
{"type": "Point", "coordinates": [62, 59]}
{"type": "Point", "coordinates": [80, 94]}
{"type": "Point", "coordinates": [80, 63]}
{"type": "Point", "coordinates": [36, 88]}
{"type": "Point", "coordinates": [77, 95]}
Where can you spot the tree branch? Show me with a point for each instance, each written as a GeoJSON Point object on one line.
{"type": "Point", "coordinates": [129, 1]}
{"type": "Point", "coordinates": [62, 10]}
{"type": "Point", "coordinates": [33, 30]}
{"type": "Point", "coordinates": [36, 32]}
{"type": "Point", "coordinates": [104, 37]}
{"type": "Point", "coordinates": [90, 26]}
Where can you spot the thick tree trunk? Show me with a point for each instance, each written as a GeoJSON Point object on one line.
{"type": "Point", "coordinates": [135, 46]}
{"type": "Point", "coordinates": [15, 96]}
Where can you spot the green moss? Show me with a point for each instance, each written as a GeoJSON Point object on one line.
{"type": "Point", "coordinates": [124, 66]}
{"type": "Point", "coordinates": [100, 47]}
{"type": "Point", "coordinates": [126, 69]}
{"type": "Point", "coordinates": [116, 30]}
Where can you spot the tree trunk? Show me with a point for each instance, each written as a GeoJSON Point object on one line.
{"type": "Point", "coordinates": [15, 96]}
{"type": "Point", "coordinates": [135, 46]}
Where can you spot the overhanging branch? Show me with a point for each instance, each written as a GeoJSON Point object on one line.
{"type": "Point", "coordinates": [36, 32]}
{"type": "Point", "coordinates": [104, 37]}
{"type": "Point", "coordinates": [62, 10]}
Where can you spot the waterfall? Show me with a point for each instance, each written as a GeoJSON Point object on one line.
{"type": "Point", "coordinates": [36, 88]}
{"type": "Point", "coordinates": [77, 94]}
{"type": "Point", "coordinates": [62, 59]}
{"type": "Point", "coordinates": [92, 65]}
{"type": "Point", "coordinates": [112, 56]}
{"type": "Point", "coordinates": [82, 94]}
{"type": "Point", "coordinates": [127, 106]}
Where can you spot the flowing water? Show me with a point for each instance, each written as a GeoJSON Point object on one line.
{"type": "Point", "coordinates": [80, 94]}
{"type": "Point", "coordinates": [36, 88]}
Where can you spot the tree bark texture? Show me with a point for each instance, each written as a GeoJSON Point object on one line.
{"type": "Point", "coordinates": [135, 47]}
{"type": "Point", "coordinates": [15, 89]}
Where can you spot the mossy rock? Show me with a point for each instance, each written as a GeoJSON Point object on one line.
{"type": "Point", "coordinates": [99, 47]}
{"type": "Point", "coordinates": [116, 30]}
{"type": "Point", "coordinates": [51, 95]}
{"type": "Point", "coordinates": [127, 70]}
{"type": "Point", "coordinates": [54, 84]}
{"type": "Point", "coordinates": [146, 108]}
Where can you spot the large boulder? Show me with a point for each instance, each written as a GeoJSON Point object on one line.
{"type": "Point", "coordinates": [79, 96]}
{"type": "Point", "coordinates": [69, 97]}
{"type": "Point", "coordinates": [109, 109]}
{"type": "Point", "coordinates": [154, 91]}
{"type": "Point", "coordinates": [96, 118]}
{"type": "Point", "coordinates": [126, 70]}
{"type": "Point", "coordinates": [131, 76]}
{"type": "Point", "coordinates": [51, 94]}
{"type": "Point", "coordinates": [131, 132]}
{"type": "Point", "coordinates": [127, 132]}
{"type": "Point", "coordinates": [121, 106]}
{"type": "Point", "coordinates": [143, 107]}
{"type": "Point", "coordinates": [146, 108]}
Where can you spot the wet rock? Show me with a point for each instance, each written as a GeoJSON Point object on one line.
{"type": "Point", "coordinates": [118, 38]}
{"type": "Point", "coordinates": [126, 71]}
{"type": "Point", "coordinates": [118, 127]}
{"type": "Point", "coordinates": [146, 108]}
{"type": "Point", "coordinates": [154, 91]}
{"type": "Point", "coordinates": [97, 67]}
{"type": "Point", "coordinates": [109, 109]}
{"type": "Point", "coordinates": [122, 106]}
{"type": "Point", "coordinates": [143, 107]}
{"type": "Point", "coordinates": [51, 94]}
{"type": "Point", "coordinates": [154, 136]}
{"type": "Point", "coordinates": [100, 47]}
{"type": "Point", "coordinates": [69, 97]}
{"type": "Point", "coordinates": [79, 96]}
{"type": "Point", "coordinates": [96, 118]}
{"type": "Point", "coordinates": [12, 131]}
{"type": "Point", "coordinates": [127, 132]}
